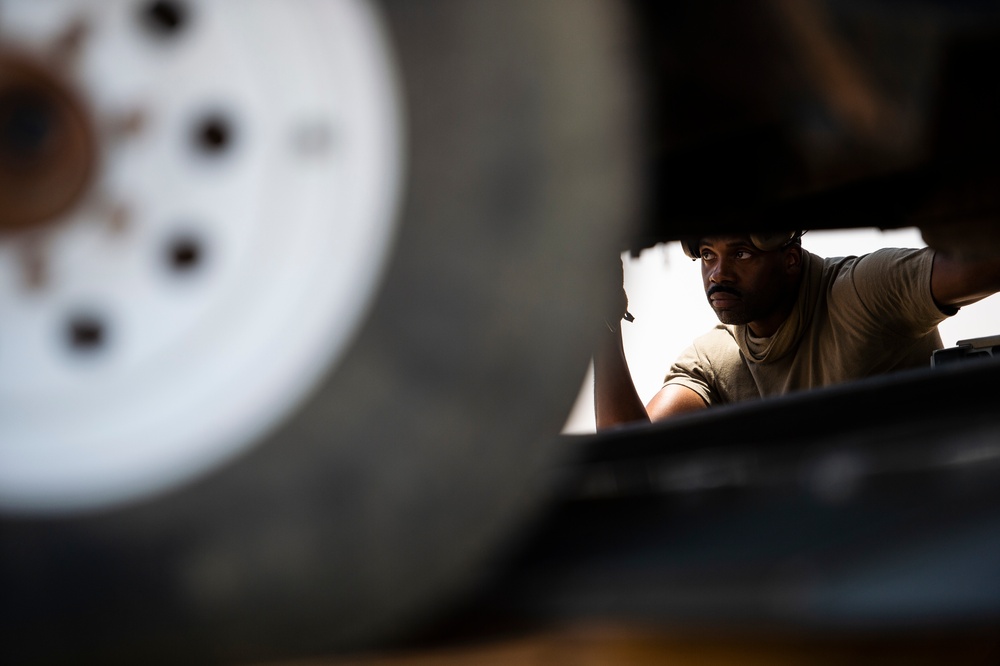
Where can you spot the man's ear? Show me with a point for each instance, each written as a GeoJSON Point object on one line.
{"type": "Point", "coordinates": [793, 259]}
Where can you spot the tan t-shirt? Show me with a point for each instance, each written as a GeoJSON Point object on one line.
{"type": "Point", "coordinates": [855, 317]}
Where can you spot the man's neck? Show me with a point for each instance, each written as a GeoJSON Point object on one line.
{"type": "Point", "coordinates": [768, 326]}
{"type": "Point", "coordinates": [765, 328]}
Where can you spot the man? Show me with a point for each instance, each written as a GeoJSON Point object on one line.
{"type": "Point", "coordinates": [791, 320]}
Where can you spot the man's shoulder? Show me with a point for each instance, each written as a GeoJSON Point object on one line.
{"type": "Point", "coordinates": [719, 332]}
{"type": "Point", "coordinates": [714, 368]}
{"type": "Point", "coordinates": [875, 263]}
{"type": "Point", "coordinates": [719, 340]}
{"type": "Point", "coordinates": [881, 255]}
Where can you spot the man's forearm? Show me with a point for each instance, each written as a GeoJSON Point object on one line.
{"type": "Point", "coordinates": [615, 399]}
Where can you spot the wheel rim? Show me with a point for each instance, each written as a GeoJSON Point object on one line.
{"type": "Point", "coordinates": [231, 233]}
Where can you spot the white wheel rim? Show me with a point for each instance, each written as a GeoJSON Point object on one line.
{"type": "Point", "coordinates": [289, 224]}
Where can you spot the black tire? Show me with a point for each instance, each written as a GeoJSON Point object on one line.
{"type": "Point", "coordinates": [400, 480]}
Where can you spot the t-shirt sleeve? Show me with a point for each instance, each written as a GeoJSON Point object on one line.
{"type": "Point", "coordinates": [692, 370]}
{"type": "Point", "coordinates": [713, 368]}
{"type": "Point", "coordinates": [894, 287]}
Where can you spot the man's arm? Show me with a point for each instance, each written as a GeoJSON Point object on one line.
{"type": "Point", "coordinates": [615, 399]}
{"type": "Point", "coordinates": [958, 282]}
{"type": "Point", "coordinates": [673, 399]}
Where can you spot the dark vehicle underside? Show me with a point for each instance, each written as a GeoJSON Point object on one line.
{"type": "Point", "coordinates": [849, 515]}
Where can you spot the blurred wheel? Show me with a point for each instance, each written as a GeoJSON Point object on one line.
{"type": "Point", "coordinates": [280, 381]}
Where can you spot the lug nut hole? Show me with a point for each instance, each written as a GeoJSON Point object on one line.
{"type": "Point", "coordinates": [213, 134]}
{"type": "Point", "coordinates": [86, 333]}
{"type": "Point", "coordinates": [184, 254]}
{"type": "Point", "coordinates": [165, 18]}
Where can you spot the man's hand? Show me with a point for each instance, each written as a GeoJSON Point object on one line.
{"type": "Point", "coordinates": [619, 308]}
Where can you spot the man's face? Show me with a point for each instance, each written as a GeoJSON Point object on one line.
{"type": "Point", "coordinates": [744, 284]}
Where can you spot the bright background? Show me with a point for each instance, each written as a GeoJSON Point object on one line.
{"type": "Point", "coordinates": [666, 296]}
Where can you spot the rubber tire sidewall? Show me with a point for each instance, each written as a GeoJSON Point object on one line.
{"type": "Point", "coordinates": [419, 459]}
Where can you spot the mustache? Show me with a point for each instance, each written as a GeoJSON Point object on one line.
{"type": "Point", "coordinates": [717, 288]}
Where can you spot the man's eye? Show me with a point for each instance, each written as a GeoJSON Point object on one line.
{"type": "Point", "coordinates": [706, 255]}
{"type": "Point", "coordinates": [742, 254]}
